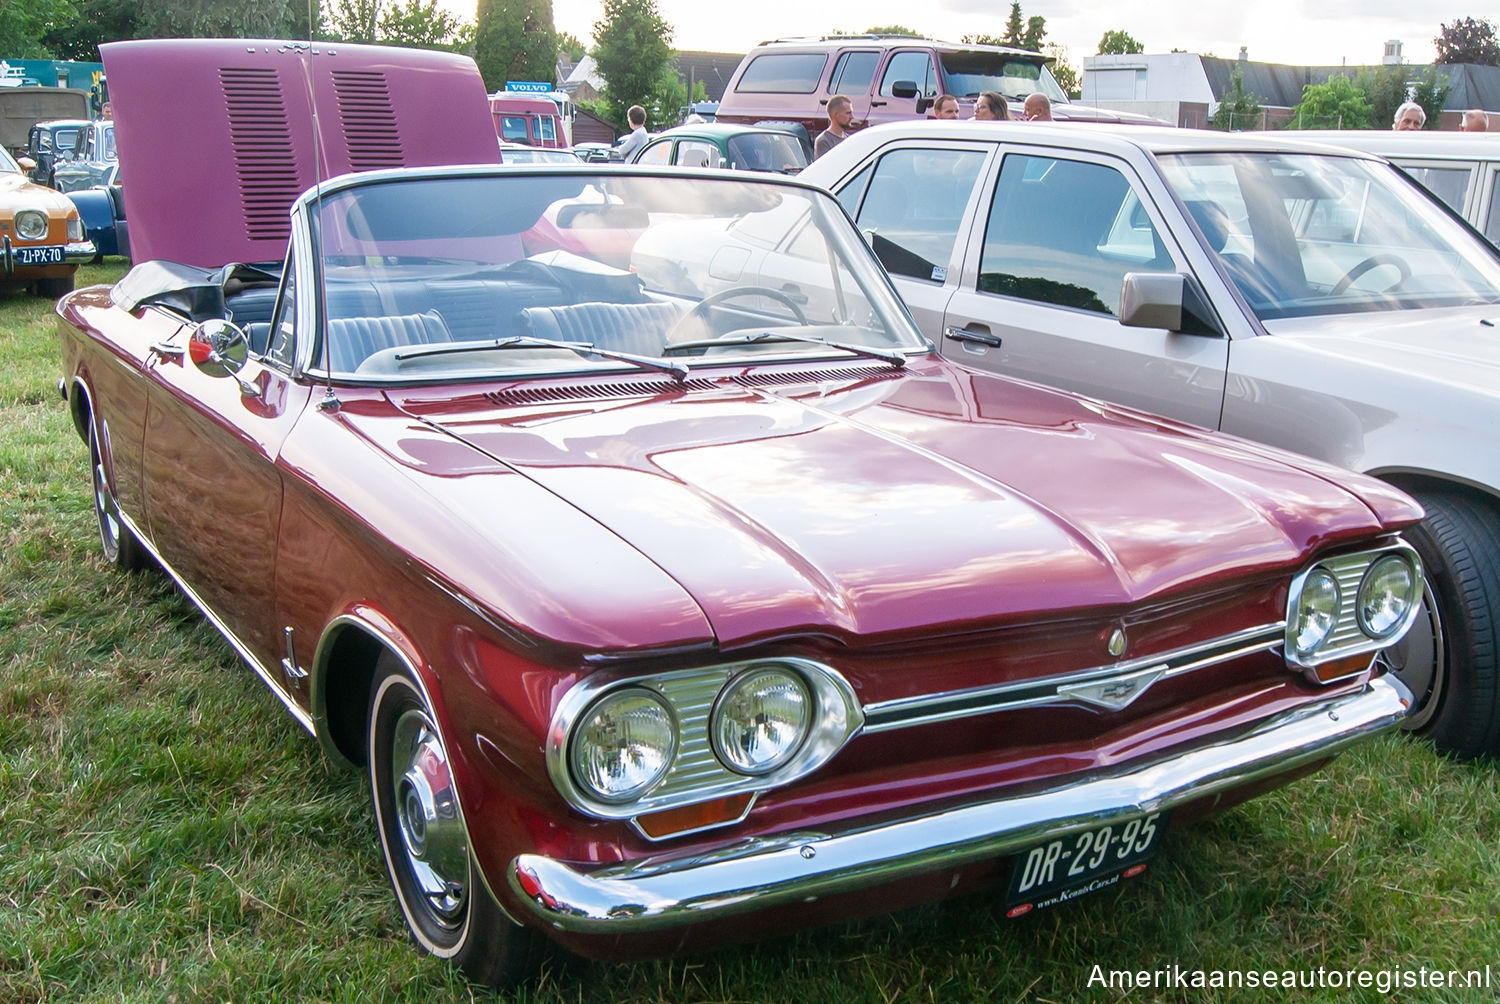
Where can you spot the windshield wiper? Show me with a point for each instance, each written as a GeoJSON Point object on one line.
{"type": "Point", "coordinates": [893, 356]}
{"type": "Point", "coordinates": [678, 370]}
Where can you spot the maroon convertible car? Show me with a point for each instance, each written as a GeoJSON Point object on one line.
{"type": "Point", "coordinates": [661, 618]}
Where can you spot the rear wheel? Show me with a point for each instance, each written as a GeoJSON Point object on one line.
{"type": "Point", "coordinates": [448, 909]}
{"type": "Point", "coordinates": [120, 547]}
{"type": "Point", "coordinates": [1449, 659]}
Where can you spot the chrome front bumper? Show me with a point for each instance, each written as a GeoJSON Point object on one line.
{"type": "Point", "coordinates": [665, 891]}
{"type": "Point", "coordinates": [79, 252]}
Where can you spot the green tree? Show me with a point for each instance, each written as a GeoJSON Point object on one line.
{"type": "Point", "coordinates": [1014, 27]}
{"type": "Point", "coordinates": [1067, 77]}
{"type": "Point", "coordinates": [894, 31]}
{"type": "Point", "coordinates": [1385, 87]}
{"type": "Point", "coordinates": [1036, 29]}
{"type": "Point", "coordinates": [1337, 103]}
{"type": "Point", "coordinates": [1468, 41]}
{"type": "Point", "coordinates": [1239, 110]}
{"type": "Point", "coordinates": [515, 40]}
{"type": "Point", "coordinates": [569, 45]}
{"type": "Point", "coordinates": [633, 46]}
{"type": "Point", "coordinates": [352, 21]}
{"type": "Point", "coordinates": [1431, 92]}
{"type": "Point", "coordinates": [1117, 42]}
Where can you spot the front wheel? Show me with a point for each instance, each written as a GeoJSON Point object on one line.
{"type": "Point", "coordinates": [448, 909]}
{"type": "Point", "coordinates": [120, 547]}
{"type": "Point", "coordinates": [51, 289]}
{"type": "Point", "coordinates": [1449, 658]}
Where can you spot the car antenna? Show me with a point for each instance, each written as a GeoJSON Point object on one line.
{"type": "Point", "coordinates": [330, 402]}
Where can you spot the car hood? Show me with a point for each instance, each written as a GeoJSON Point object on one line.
{"type": "Point", "coordinates": [281, 117]}
{"type": "Point", "coordinates": [19, 192]}
{"type": "Point", "coordinates": [867, 501]}
{"type": "Point", "coordinates": [1452, 347]}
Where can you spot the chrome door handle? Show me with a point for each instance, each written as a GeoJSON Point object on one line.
{"type": "Point", "coordinates": [969, 335]}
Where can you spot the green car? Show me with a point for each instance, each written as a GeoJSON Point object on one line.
{"type": "Point", "coordinates": [737, 147]}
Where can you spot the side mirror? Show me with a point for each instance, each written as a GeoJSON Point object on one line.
{"type": "Point", "coordinates": [1167, 300]}
{"type": "Point", "coordinates": [26, 164]}
{"type": "Point", "coordinates": [904, 89]}
{"type": "Point", "coordinates": [922, 104]}
{"type": "Point", "coordinates": [218, 348]}
{"type": "Point", "coordinates": [1152, 300]}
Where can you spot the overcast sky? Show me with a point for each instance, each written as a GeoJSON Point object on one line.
{"type": "Point", "coordinates": [1276, 31]}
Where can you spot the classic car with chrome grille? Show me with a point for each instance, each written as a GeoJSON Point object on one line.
{"type": "Point", "coordinates": [660, 618]}
{"type": "Point", "coordinates": [42, 240]}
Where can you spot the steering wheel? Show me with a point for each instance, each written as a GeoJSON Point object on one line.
{"type": "Point", "coordinates": [698, 310]}
{"type": "Point", "coordinates": [1374, 261]}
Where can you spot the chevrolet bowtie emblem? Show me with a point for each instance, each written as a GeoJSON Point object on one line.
{"type": "Point", "coordinates": [1116, 692]}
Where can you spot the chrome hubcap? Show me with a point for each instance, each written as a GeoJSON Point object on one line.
{"type": "Point", "coordinates": [432, 834]}
{"type": "Point", "coordinates": [108, 511]}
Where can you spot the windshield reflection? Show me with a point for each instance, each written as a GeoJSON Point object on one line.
{"type": "Point", "coordinates": [465, 274]}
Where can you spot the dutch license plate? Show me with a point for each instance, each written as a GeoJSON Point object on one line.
{"type": "Point", "coordinates": [39, 256]}
{"type": "Point", "coordinates": [1069, 867]}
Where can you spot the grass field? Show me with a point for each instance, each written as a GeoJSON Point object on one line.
{"type": "Point", "coordinates": [168, 833]}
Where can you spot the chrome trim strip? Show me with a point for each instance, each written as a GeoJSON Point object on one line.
{"type": "Point", "coordinates": [666, 892]}
{"type": "Point", "coordinates": [1062, 689]}
{"type": "Point", "coordinates": [79, 252]}
{"type": "Point", "coordinates": [240, 647]}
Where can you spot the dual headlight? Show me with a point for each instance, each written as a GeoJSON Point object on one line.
{"type": "Point", "coordinates": [1351, 604]}
{"type": "Point", "coordinates": [680, 737]}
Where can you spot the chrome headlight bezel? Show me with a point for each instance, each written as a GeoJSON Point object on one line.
{"type": "Point", "coordinates": [1350, 634]}
{"type": "Point", "coordinates": [697, 773]}
{"type": "Point", "coordinates": [31, 225]}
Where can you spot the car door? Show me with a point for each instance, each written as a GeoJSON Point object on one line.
{"type": "Point", "coordinates": [212, 490]}
{"type": "Point", "coordinates": [1487, 204]}
{"type": "Point", "coordinates": [1039, 297]}
{"type": "Point", "coordinates": [853, 76]}
{"type": "Point", "coordinates": [904, 66]}
{"type": "Point", "coordinates": [913, 203]}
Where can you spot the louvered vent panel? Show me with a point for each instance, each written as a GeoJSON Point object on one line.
{"type": "Point", "coordinates": [369, 120]}
{"type": "Point", "coordinates": [259, 137]}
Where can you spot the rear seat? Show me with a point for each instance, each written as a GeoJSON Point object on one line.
{"type": "Point", "coordinates": [352, 340]}
{"type": "Point", "coordinates": [475, 310]}
{"type": "Point", "coordinates": [640, 328]}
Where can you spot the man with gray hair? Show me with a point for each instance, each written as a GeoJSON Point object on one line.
{"type": "Point", "coordinates": [1474, 120]}
{"type": "Point", "coordinates": [1409, 117]}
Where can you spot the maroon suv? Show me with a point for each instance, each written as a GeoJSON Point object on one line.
{"type": "Point", "coordinates": [888, 80]}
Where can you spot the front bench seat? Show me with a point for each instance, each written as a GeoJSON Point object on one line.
{"type": "Point", "coordinates": [638, 328]}
{"type": "Point", "coordinates": [352, 340]}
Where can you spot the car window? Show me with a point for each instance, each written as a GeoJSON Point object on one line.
{"type": "Point", "coordinates": [698, 153]}
{"type": "Point", "coordinates": [853, 73]}
{"type": "Point", "coordinates": [1304, 234]}
{"type": "Point", "coordinates": [969, 72]}
{"type": "Point", "coordinates": [513, 128]}
{"type": "Point", "coordinates": [1448, 183]}
{"type": "Point", "coordinates": [914, 206]}
{"type": "Point", "coordinates": [659, 152]}
{"type": "Point", "coordinates": [913, 66]}
{"type": "Point", "coordinates": [546, 128]}
{"type": "Point", "coordinates": [783, 73]}
{"type": "Point", "coordinates": [1066, 232]}
{"type": "Point", "coordinates": [282, 344]}
{"type": "Point", "coordinates": [1492, 223]}
{"type": "Point", "coordinates": [767, 152]}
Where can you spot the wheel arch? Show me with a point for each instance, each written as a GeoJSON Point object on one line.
{"type": "Point", "coordinates": [1413, 481]}
{"type": "Point", "coordinates": [343, 670]}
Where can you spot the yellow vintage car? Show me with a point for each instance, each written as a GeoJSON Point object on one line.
{"type": "Point", "coordinates": [41, 235]}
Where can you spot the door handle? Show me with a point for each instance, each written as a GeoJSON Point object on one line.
{"type": "Point", "coordinates": [877, 104]}
{"type": "Point", "coordinates": [976, 335]}
{"type": "Point", "coordinates": [794, 293]}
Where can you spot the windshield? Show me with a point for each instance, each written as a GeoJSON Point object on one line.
{"type": "Point", "coordinates": [508, 273]}
{"type": "Point", "coordinates": [970, 72]}
{"type": "Point", "coordinates": [1304, 234]}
